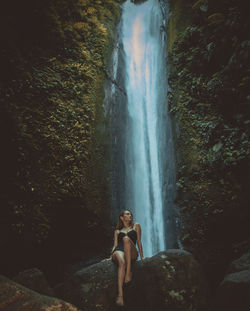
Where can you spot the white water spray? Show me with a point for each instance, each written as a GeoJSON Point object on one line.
{"type": "Point", "coordinates": [145, 86]}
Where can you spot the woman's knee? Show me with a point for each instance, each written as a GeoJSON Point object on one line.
{"type": "Point", "coordinates": [121, 263]}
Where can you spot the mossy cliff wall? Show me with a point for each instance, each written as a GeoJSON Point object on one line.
{"type": "Point", "coordinates": [209, 58]}
{"type": "Point", "coordinates": [54, 138]}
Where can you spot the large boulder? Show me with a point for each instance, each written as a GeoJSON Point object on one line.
{"type": "Point", "coordinates": [240, 264]}
{"type": "Point", "coordinates": [171, 280]}
{"type": "Point", "coordinates": [15, 297]}
{"type": "Point", "coordinates": [234, 291]}
{"type": "Point", "coordinates": [34, 279]}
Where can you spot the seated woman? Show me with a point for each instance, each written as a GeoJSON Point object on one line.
{"type": "Point", "coordinates": [124, 250]}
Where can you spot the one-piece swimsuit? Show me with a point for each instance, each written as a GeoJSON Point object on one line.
{"type": "Point", "coordinates": [132, 234]}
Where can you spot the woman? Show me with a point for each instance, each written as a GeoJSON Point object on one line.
{"type": "Point", "coordinates": [124, 250]}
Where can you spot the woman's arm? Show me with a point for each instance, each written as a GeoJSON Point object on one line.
{"type": "Point", "coordinates": [138, 230]}
{"type": "Point", "coordinates": [115, 244]}
{"type": "Point", "coordinates": [115, 240]}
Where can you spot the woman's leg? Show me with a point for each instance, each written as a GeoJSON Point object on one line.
{"type": "Point", "coordinates": [118, 257]}
{"type": "Point", "coordinates": [130, 253]}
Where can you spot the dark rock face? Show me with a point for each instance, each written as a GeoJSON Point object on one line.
{"type": "Point", "coordinates": [115, 104]}
{"type": "Point", "coordinates": [138, 1]}
{"type": "Point", "coordinates": [234, 292]}
{"type": "Point", "coordinates": [243, 263]}
{"type": "Point", "coordinates": [206, 102]}
{"type": "Point", "coordinates": [55, 138]}
{"type": "Point", "coordinates": [15, 297]}
{"type": "Point", "coordinates": [91, 287]}
{"type": "Point", "coordinates": [170, 280]}
{"type": "Point", "coordinates": [34, 279]}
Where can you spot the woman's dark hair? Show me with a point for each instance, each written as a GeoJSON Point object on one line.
{"type": "Point", "coordinates": [119, 225]}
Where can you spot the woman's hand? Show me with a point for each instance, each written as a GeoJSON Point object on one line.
{"type": "Point", "coordinates": [106, 259]}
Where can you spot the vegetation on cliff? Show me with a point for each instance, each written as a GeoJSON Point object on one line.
{"type": "Point", "coordinates": [54, 190]}
{"type": "Point", "coordinates": [209, 101]}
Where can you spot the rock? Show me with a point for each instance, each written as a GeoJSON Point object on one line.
{"type": "Point", "coordinates": [170, 280]}
{"type": "Point", "coordinates": [34, 279]}
{"type": "Point", "coordinates": [243, 263]}
{"type": "Point", "coordinates": [234, 292]}
{"type": "Point", "coordinates": [138, 1]}
{"type": "Point", "coordinates": [216, 18]}
{"type": "Point", "coordinates": [15, 297]}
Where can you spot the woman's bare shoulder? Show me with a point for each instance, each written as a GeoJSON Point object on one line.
{"type": "Point", "coordinates": [137, 226]}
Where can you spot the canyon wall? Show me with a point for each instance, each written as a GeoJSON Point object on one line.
{"type": "Point", "coordinates": [209, 75]}
{"type": "Point", "coordinates": [55, 195]}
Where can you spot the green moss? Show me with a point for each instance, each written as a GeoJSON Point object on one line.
{"type": "Point", "coordinates": [178, 21]}
{"type": "Point", "coordinates": [208, 104]}
{"type": "Point", "coordinates": [54, 98]}
{"type": "Point", "coordinates": [176, 295]}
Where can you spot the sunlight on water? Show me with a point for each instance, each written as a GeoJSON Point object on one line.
{"type": "Point", "coordinates": [137, 44]}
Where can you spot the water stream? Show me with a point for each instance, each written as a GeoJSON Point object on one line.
{"type": "Point", "coordinates": [143, 154]}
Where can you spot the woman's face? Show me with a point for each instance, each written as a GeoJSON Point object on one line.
{"type": "Point", "coordinates": [127, 216]}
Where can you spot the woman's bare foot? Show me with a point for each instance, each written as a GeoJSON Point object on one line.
{"type": "Point", "coordinates": [119, 301]}
{"type": "Point", "coordinates": [128, 278]}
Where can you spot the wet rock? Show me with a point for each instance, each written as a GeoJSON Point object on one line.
{"type": "Point", "coordinates": [15, 297]}
{"type": "Point", "coordinates": [138, 1]}
{"type": "Point", "coordinates": [170, 280]}
{"type": "Point", "coordinates": [34, 279]}
{"type": "Point", "coordinates": [234, 292]}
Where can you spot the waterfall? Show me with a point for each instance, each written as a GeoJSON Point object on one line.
{"type": "Point", "coordinates": [143, 157]}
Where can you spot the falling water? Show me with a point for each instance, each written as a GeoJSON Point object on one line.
{"type": "Point", "coordinates": [145, 178]}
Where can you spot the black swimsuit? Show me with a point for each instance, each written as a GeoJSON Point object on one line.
{"type": "Point", "coordinates": [132, 234]}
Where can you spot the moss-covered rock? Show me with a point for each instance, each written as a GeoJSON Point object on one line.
{"type": "Point", "coordinates": [54, 135]}
{"type": "Point", "coordinates": [209, 61]}
{"type": "Point", "coordinates": [15, 297]}
{"type": "Point", "coordinates": [170, 280]}
{"type": "Point", "coordinates": [34, 279]}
